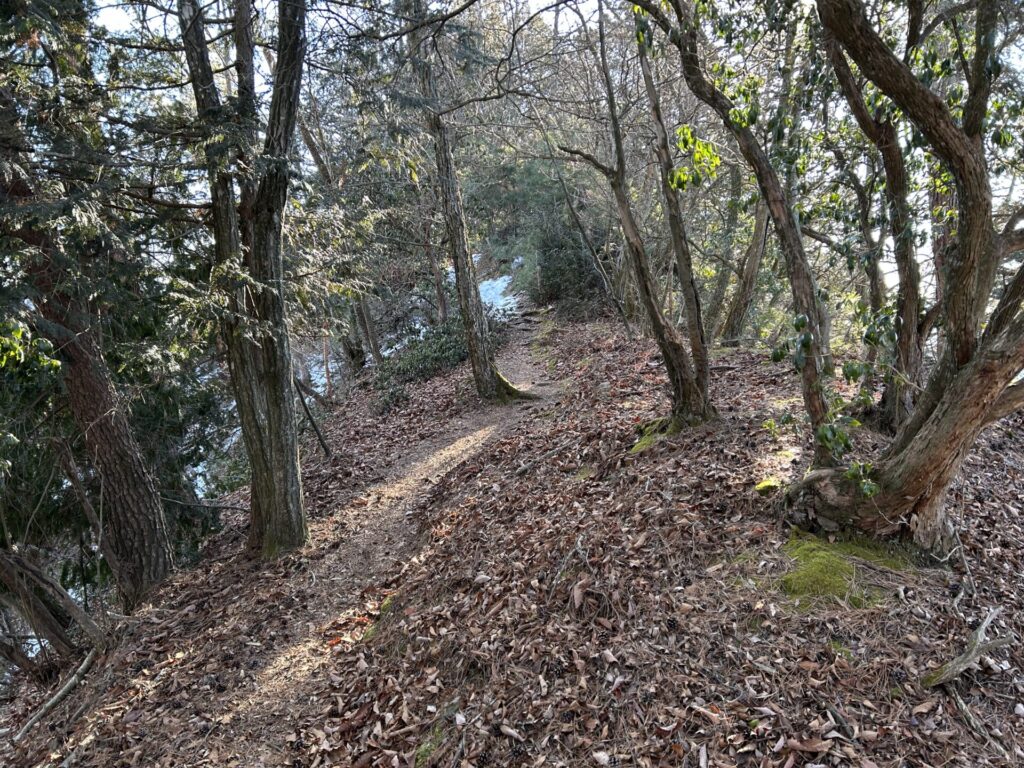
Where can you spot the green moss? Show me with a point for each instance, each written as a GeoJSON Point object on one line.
{"type": "Point", "coordinates": [828, 570]}
{"type": "Point", "coordinates": [427, 749]}
{"type": "Point", "coordinates": [386, 607]}
{"type": "Point", "coordinates": [653, 431]}
{"type": "Point", "coordinates": [768, 486]}
{"type": "Point", "coordinates": [840, 650]}
{"type": "Point", "coordinates": [585, 472]}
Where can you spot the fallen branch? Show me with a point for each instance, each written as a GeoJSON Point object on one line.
{"type": "Point", "coordinates": [976, 648]}
{"type": "Point", "coordinates": [59, 696]}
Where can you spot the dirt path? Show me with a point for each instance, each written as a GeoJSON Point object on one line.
{"type": "Point", "coordinates": [236, 657]}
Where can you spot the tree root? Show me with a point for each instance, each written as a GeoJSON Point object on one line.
{"type": "Point", "coordinates": [59, 696]}
{"type": "Point", "coordinates": [507, 392]}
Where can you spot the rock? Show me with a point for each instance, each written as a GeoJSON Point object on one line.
{"type": "Point", "coordinates": [1019, 710]}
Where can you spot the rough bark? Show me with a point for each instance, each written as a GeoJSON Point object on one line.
{"type": "Point", "coordinates": [739, 308]}
{"type": "Point", "coordinates": [134, 527]}
{"type": "Point", "coordinates": [248, 237]}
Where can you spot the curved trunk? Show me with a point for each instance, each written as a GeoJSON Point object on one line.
{"type": "Point", "coordinates": [744, 295]}
{"type": "Point", "coordinates": [690, 404]}
{"type": "Point", "coordinates": [903, 380]}
{"type": "Point", "coordinates": [913, 480]}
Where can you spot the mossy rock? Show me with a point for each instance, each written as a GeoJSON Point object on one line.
{"type": "Point", "coordinates": [828, 570]}
{"type": "Point", "coordinates": [653, 431]}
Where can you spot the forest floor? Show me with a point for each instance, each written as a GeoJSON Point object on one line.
{"type": "Point", "coordinates": [520, 585]}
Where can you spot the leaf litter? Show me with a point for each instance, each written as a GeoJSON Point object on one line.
{"type": "Point", "coordinates": [502, 586]}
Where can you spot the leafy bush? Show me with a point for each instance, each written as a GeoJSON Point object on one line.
{"type": "Point", "coordinates": [566, 276]}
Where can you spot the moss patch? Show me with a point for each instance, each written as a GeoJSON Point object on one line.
{"type": "Point", "coordinates": [828, 571]}
{"type": "Point", "coordinates": [427, 749]}
{"type": "Point", "coordinates": [653, 431]}
{"type": "Point", "coordinates": [768, 486]}
{"type": "Point", "coordinates": [585, 472]}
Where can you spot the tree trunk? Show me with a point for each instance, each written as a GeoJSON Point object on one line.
{"type": "Point", "coordinates": [249, 237]}
{"type": "Point", "coordinates": [134, 526]}
{"type": "Point", "coordinates": [680, 247]}
{"type": "Point", "coordinates": [801, 278]}
{"type": "Point", "coordinates": [690, 404]}
{"type": "Point", "coordinates": [744, 295]}
{"type": "Point", "coordinates": [366, 325]}
{"type": "Point", "coordinates": [913, 479]}
{"type": "Point", "coordinates": [439, 277]}
{"type": "Point", "coordinates": [725, 269]}
{"type": "Point", "coordinates": [971, 384]}
{"type": "Point", "coordinates": [490, 384]}
{"type": "Point", "coordinates": [903, 380]}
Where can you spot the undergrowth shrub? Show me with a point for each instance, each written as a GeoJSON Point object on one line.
{"type": "Point", "coordinates": [439, 349]}
{"type": "Point", "coordinates": [561, 272]}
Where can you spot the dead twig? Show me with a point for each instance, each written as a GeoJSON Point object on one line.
{"type": "Point", "coordinates": [976, 648]}
{"type": "Point", "coordinates": [59, 696]}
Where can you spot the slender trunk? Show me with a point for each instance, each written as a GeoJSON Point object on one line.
{"type": "Point", "coordinates": [366, 325]}
{"type": "Point", "coordinates": [903, 381]}
{"type": "Point", "coordinates": [690, 404]}
{"type": "Point", "coordinates": [40, 610]}
{"type": "Point", "coordinates": [680, 247]}
{"type": "Point", "coordinates": [328, 384]}
{"type": "Point", "coordinates": [744, 295]}
{"type": "Point", "coordinates": [801, 278]}
{"type": "Point", "coordinates": [439, 277]}
{"type": "Point", "coordinates": [490, 384]}
{"type": "Point", "coordinates": [725, 270]}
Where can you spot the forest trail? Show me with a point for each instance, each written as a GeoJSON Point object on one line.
{"type": "Point", "coordinates": [523, 585]}
{"type": "Point", "coordinates": [231, 658]}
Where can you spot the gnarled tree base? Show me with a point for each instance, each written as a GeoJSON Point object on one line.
{"type": "Point", "coordinates": [826, 499]}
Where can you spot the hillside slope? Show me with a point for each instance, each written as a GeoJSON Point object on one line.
{"type": "Point", "coordinates": [518, 585]}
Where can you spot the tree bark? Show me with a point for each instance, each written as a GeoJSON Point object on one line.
{"type": "Point", "coordinates": [490, 384]}
{"type": "Point", "coordinates": [972, 382]}
{"type": "Point", "coordinates": [134, 525]}
{"type": "Point", "coordinates": [249, 238]}
{"type": "Point", "coordinates": [683, 34]}
{"type": "Point", "coordinates": [744, 295]}
{"type": "Point", "coordinates": [677, 230]}
{"type": "Point", "coordinates": [725, 268]}
{"type": "Point", "coordinates": [369, 331]}
{"type": "Point", "coordinates": [690, 404]}
{"type": "Point", "coordinates": [903, 380]}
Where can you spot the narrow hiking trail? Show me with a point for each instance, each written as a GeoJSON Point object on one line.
{"type": "Point", "coordinates": [530, 584]}
{"type": "Point", "coordinates": [230, 658]}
